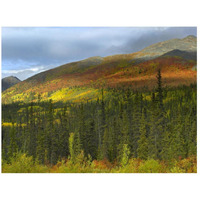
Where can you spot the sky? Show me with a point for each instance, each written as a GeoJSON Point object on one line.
{"type": "Point", "coordinates": [27, 51]}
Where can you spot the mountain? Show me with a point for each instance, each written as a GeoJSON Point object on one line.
{"type": "Point", "coordinates": [188, 43]}
{"type": "Point", "coordinates": [188, 55]}
{"type": "Point", "coordinates": [83, 79]}
{"type": "Point", "coordinates": [8, 82]}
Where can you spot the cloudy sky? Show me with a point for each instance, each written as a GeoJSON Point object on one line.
{"type": "Point", "coordinates": [28, 51]}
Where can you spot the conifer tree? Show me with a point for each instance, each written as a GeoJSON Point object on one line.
{"type": "Point", "coordinates": [91, 139]}
{"type": "Point", "coordinates": [106, 144]}
{"type": "Point", "coordinates": [32, 134]}
{"type": "Point", "coordinates": [74, 146]}
{"type": "Point", "coordinates": [136, 125]}
{"type": "Point", "coordinates": [167, 151]}
{"type": "Point", "coordinates": [152, 138]}
{"type": "Point", "coordinates": [125, 153]}
{"type": "Point", "coordinates": [177, 140]}
{"type": "Point", "coordinates": [12, 148]}
{"type": "Point", "coordinates": [142, 142]}
{"type": "Point", "coordinates": [159, 88]}
{"type": "Point", "coordinates": [64, 135]}
{"type": "Point", "coordinates": [77, 144]}
{"type": "Point", "coordinates": [49, 132]}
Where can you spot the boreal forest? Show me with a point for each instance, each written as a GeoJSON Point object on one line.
{"type": "Point", "coordinates": [134, 113]}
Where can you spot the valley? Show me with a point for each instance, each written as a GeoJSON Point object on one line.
{"type": "Point", "coordinates": [133, 113]}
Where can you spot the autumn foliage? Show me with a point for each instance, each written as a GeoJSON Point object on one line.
{"type": "Point", "coordinates": [24, 164]}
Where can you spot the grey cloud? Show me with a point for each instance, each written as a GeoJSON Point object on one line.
{"type": "Point", "coordinates": [24, 73]}
{"type": "Point", "coordinates": [47, 50]}
{"type": "Point", "coordinates": [152, 37]}
{"type": "Point", "coordinates": [24, 48]}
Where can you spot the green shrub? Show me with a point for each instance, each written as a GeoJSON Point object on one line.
{"type": "Point", "coordinates": [177, 170]}
{"type": "Point", "coordinates": [23, 164]}
{"type": "Point", "coordinates": [150, 166]}
{"type": "Point", "coordinates": [131, 167]}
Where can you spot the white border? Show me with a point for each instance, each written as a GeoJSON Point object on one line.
{"type": "Point", "coordinates": [100, 13]}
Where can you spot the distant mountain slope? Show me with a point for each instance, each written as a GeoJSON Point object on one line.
{"type": "Point", "coordinates": [188, 43]}
{"type": "Point", "coordinates": [176, 58]}
{"type": "Point", "coordinates": [188, 55]}
{"type": "Point", "coordinates": [8, 82]}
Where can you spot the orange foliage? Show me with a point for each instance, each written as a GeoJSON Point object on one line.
{"type": "Point", "coordinates": [175, 71]}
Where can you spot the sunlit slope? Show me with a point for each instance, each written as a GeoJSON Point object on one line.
{"type": "Point", "coordinates": [83, 80]}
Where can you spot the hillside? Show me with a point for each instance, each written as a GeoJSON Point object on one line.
{"type": "Point", "coordinates": [132, 113]}
{"type": "Point", "coordinates": [8, 82]}
{"type": "Point", "coordinates": [188, 43]}
{"type": "Point", "coordinates": [188, 55]}
{"type": "Point", "coordinates": [81, 80]}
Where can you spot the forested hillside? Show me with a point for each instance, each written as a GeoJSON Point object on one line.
{"type": "Point", "coordinates": [123, 130]}
{"type": "Point", "coordinates": [123, 113]}
{"type": "Point", "coordinates": [80, 80]}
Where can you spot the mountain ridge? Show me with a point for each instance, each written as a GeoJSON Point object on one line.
{"type": "Point", "coordinates": [136, 70]}
{"type": "Point", "coordinates": [9, 81]}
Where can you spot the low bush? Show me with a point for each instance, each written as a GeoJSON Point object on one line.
{"type": "Point", "coordinates": [21, 163]}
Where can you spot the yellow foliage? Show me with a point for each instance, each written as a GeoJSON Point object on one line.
{"type": "Point", "coordinates": [9, 124]}
{"type": "Point", "coordinates": [24, 164]}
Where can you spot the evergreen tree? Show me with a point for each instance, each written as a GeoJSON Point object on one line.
{"type": "Point", "coordinates": [12, 148]}
{"type": "Point", "coordinates": [74, 146]}
{"type": "Point", "coordinates": [136, 125]}
{"type": "Point", "coordinates": [32, 133]}
{"type": "Point", "coordinates": [122, 124]}
{"type": "Point", "coordinates": [125, 153]}
{"type": "Point", "coordinates": [152, 138]}
{"type": "Point", "coordinates": [49, 133]}
{"type": "Point", "coordinates": [142, 142]}
{"type": "Point", "coordinates": [159, 89]}
{"type": "Point", "coordinates": [91, 139]}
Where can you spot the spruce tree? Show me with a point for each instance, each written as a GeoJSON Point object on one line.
{"type": "Point", "coordinates": [74, 146]}
{"type": "Point", "coordinates": [159, 89]}
{"type": "Point", "coordinates": [12, 148]}
{"type": "Point", "coordinates": [142, 150]}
